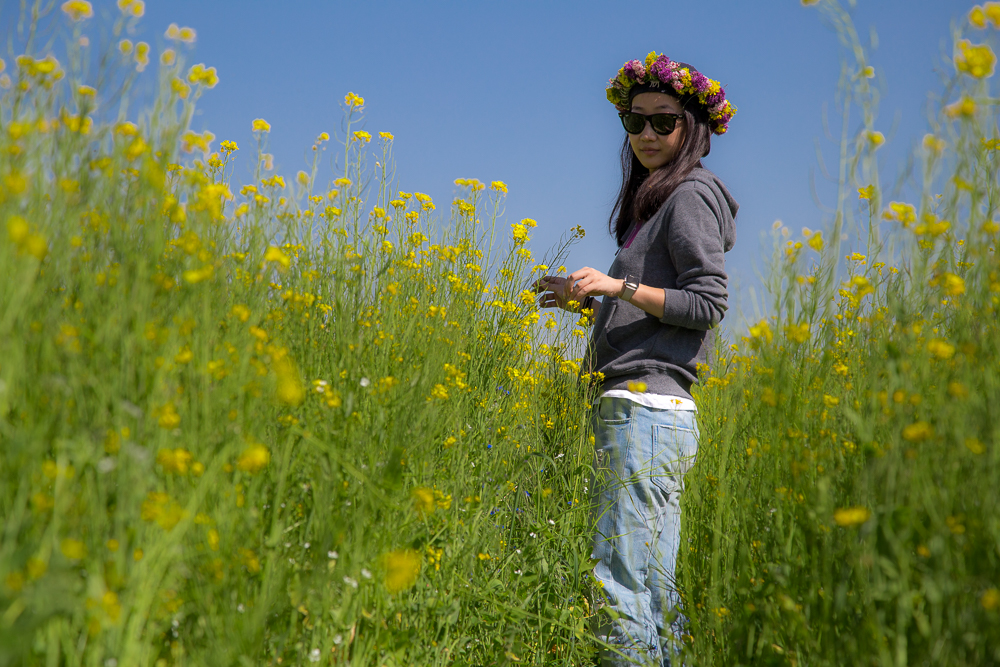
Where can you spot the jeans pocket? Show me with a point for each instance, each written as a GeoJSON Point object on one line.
{"type": "Point", "coordinates": [614, 411]}
{"type": "Point", "coordinates": [675, 447]}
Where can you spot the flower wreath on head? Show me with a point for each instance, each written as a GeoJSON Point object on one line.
{"type": "Point", "coordinates": [684, 81]}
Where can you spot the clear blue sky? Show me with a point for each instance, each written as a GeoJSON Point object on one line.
{"type": "Point", "coordinates": [514, 91]}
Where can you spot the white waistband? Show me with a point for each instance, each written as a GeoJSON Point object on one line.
{"type": "Point", "coordinates": [657, 401]}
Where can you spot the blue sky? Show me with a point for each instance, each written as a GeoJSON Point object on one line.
{"type": "Point", "coordinates": [514, 91]}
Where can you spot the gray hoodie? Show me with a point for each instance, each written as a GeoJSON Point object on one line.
{"type": "Point", "coordinates": [681, 249]}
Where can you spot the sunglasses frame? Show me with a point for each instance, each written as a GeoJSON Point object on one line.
{"type": "Point", "coordinates": [652, 120]}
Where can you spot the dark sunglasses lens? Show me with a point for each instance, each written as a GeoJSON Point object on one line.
{"type": "Point", "coordinates": [633, 122]}
{"type": "Point", "coordinates": [663, 123]}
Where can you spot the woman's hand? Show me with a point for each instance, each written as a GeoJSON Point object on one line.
{"type": "Point", "coordinates": [577, 286]}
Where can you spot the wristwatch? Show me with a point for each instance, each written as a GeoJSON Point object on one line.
{"type": "Point", "coordinates": [629, 288]}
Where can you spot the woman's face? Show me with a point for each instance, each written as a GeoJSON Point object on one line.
{"type": "Point", "coordinates": [655, 150]}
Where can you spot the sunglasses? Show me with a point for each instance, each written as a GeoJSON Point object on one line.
{"type": "Point", "coordinates": [663, 123]}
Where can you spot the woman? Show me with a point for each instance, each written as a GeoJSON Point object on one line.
{"type": "Point", "coordinates": [664, 293]}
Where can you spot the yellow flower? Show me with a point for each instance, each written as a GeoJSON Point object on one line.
{"type": "Point", "coordinates": [992, 11]}
{"type": "Point", "coordinates": [849, 517]}
{"type": "Point", "coordinates": [830, 401]}
{"type": "Point", "coordinates": [134, 8]}
{"type": "Point", "coordinates": [990, 599]}
{"type": "Point", "coordinates": [951, 284]}
{"type": "Point", "coordinates": [423, 500]}
{"type": "Point", "coordinates": [78, 9]}
{"type": "Point", "coordinates": [72, 548]}
{"type": "Point", "coordinates": [816, 241]}
{"type": "Point", "coordinates": [866, 192]}
{"type": "Point", "coordinates": [274, 254]}
{"type": "Point", "coordinates": [290, 389]}
{"type": "Point", "coordinates": [975, 446]}
{"type": "Point", "coordinates": [178, 34]}
{"type": "Point", "coordinates": [762, 330]}
{"type": "Point", "coordinates": [386, 135]}
{"type": "Point", "coordinates": [965, 107]}
{"type": "Point", "coordinates": [976, 60]}
{"type": "Point", "coordinates": [253, 459]}
{"type": "Point", "coordinates": [933, 144]}
{"type": "Point", "coordinates": [499, 186]}
{"type": "Point", "coordinates": [206, 76]}
{"type": "Point", "coordinates": [342, 182]}
{"type": "Point", "coordinates": [904, 213]}
{"type": "Point", "coordinates": [977, 17]}
{"type": "Point", "coordinates": [361, 135]}
{"type": "Point", "coordinates": [917, 432]}
{"type": "Point", "coordinates": [177, 461]}
{"type": "Point", "coordinates": [941, 349]}
{"type": "Point", "coordinates": [637, 387]}
{"type": "Point", "coordinates": [125, 46]}
{"type": "Point", "coordinates": [875, 139]}
{"type": "Point", "coordinates": [798, 333]}
{"type": "Point", "coordinates": [401, 569]}
{"type": "Point", "coordinates": [353, 100]}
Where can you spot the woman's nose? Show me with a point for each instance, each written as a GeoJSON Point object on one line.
{"type": "Point", "coordinates": [648, 133]}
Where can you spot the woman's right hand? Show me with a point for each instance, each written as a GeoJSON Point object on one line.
{"type": "Point", "coordinates": [554, 292]}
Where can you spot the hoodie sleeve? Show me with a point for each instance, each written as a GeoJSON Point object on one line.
{"type": "Point", "coordinates": [696, 248]}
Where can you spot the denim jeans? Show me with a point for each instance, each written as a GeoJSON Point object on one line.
{"type": "Point", "coordinates": [641, 456]}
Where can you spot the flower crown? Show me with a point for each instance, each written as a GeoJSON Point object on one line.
{"type": "Point", "coordinates": [659, 70]}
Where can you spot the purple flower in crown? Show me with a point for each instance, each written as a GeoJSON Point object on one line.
{"type": "Point", "coordinates": [635, 69]}
{"type": "Point", "coordinates": [661, 69]}
{"type": "Point", "coordinates": [700, 82]}
{"type": "Point", "coordinates": [716, 99]}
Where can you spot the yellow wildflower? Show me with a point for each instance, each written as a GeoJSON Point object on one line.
{"type": "Point", "coordinates": [72, 548]}
{"type": "Point", "coordinates": [353, 100]}
{"type": "Point", "coordinates": [177, 461]}
{"type": "Point", "coordinates": [423, 500]}
{"type": "Point", "coordinates": [206, 76]}
{"type": "Point", "coordinates": [361, 135]}
{"type": "Point", "coordinates": [965, 107]}
{"type": "Point", "coordinates": [875, 139]}
{"type": "Point", "coordinates": [274, 254]}
{"type": "Point", "coordinates": [849, 517]}
{"type": "Point", "coordinates": [386, 135]}
{"type": "Point", "coordinates": [866, 192]}
{"type": "Point", "coordinates": [401, 569]}
{"type": "Point", "coordinates": [917, 432]}
{"type": "Point", "coordinates": [78, 9]}
{"type": "Point", "coordinates": [976, 60]}
{"type": "Point", "coordinates": [254, 459]}
{"type": "Point", "coordinates": [499, 186]}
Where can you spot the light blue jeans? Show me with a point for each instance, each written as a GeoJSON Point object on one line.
{"type": "Point", "coordinates": [641, 456]}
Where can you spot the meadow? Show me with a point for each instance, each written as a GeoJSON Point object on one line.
{"type": "Point", "coordinates": [318, 419]}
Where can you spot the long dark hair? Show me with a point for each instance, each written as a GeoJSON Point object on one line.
{"type": "Point", "coordinates": [642, 193]}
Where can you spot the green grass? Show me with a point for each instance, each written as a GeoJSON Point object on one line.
{"type": "Point", "coordinates": [317, 422]}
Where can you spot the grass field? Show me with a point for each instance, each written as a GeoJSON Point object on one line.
{"type": "Point", "coordinates": [315, 419]}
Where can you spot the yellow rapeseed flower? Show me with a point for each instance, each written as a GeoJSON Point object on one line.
{"type": "Point", "coordinates": [499, 186]}
{"type": "Point", "coordinates": [917, 432]}
{"type": "Point", "coordinates": [866, 192]}
{"type": "Point", "coordinates": [134, 8]}
{"type": "Point", "coordinates": [177, 461]}
{"type": "Point", "coordinates": [875, 139]}
{"type": "Point", "coordinates": [361, 135]}
{"type": "Point", "coordinates": [206, 76]}
{"type": "Point", "coordinates": [965, 107]}
{"type": "Point", "coordinates": [990, 600]}
{"type": "Point", "coordinates": [977, 17]}
{"type": "Point", "coordinates": [976, 60]}
{"type": "Point", "coordinates": [72, 548]}
{"type": "Point", "coordinates": [78, 9]}
{"type": "Point", "coordinates": [386, 135]}
{"type": "Point", "coordinates": [423, 500]}
{"type": "Point", "coordinates": [849, 517]}
{"type": "Point", "coordinates": [253, 459]}
{"type": "Point", "coordinates": [274, 254]}
{"type": "Point", "coordinates": [353, 100]}
{"type": "Point", "coordinates": [941, 349]}
{"type": "Point", "coordinates": [402, 568]}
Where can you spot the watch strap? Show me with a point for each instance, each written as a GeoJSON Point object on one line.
{"type": "Point", "coordinates": [629, 288]}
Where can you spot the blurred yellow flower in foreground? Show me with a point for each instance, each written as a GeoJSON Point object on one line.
{"type": "Point", "coordinates": [178, 34]}
{"type": "Point", "coordinates": [423, 500]}
{"type": "Point", "coordinates": [73, 549]}
{"type": "Point", "coordinates": [132, 7]}
{"type": "Point", "coordinates": [990, 600]}
{"type": "Point", "coordinates": [849, 517]}
{"type": "Point", "coordinates": [175, 460]}
{"type": "Point", "coordinates": [254, 459]}
{"type": "Point", "coordinates": [78, 9]}
{"type": "Point", "coordinates": [976, 60]}
{"type": "Point", "coordinates": [917, 431]}
{"type": "Point", "coordinates": [866, 192]}
{"type": "Point", "coordinates": [401, 569]}
{"type": "Point", "coordinates": [203, 75]}
{"type": "Point", "coordinates": [274, 254]}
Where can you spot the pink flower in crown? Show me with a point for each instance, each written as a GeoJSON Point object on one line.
{"type": "Point", "coordinates": [635, 69]}
{"type": "Point", "coordinates": [678, 85]}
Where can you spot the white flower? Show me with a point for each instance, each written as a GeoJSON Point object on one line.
{"type": "Point", "coordinates": [314, 655]}
{"type": "Point", "coordinates": [532, 535]}
{"type": "Point", "coordinates": [306, 545]}
{"type": "Point", "coordinates": [337, 639]}
{"type": "Point", "coordinates": [551, 522]}
{"type": "Point", "coordinates": [366, 574]}
{"type": "Point", "coordinates": [351, 582]}
{"type": "Point", "coordinates": [240, 608]}
{"type": "Point", "coordinates": [365, 382]}
{"type": "Point", "coordinates": [332, 555]}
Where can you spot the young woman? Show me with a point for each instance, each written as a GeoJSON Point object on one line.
{"type": "Point", "coordinates": [664, 293]}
